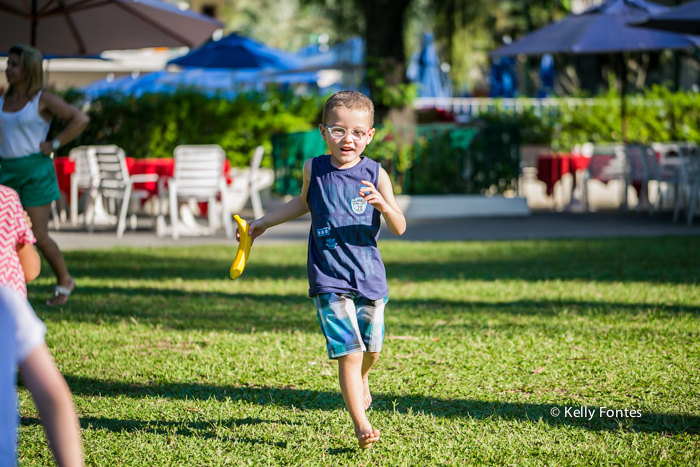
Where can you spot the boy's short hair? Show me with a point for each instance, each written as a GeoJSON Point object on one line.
{"type": "Point", "coordinates": [351, 100]}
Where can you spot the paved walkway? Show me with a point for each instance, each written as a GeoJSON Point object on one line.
{"type": "Point", "coordinates": [537, 225]}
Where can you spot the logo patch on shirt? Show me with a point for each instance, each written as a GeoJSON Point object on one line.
{"type": "Point", "coordinates": [331, 243]}
{"type": "Point", "coordinates": [324, 232]}
{"type": "Point", "coordinates": [359, 205]}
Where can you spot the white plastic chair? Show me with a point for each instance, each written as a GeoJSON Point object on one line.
{"type": "Point", "coordinates": [248, 182]}
{"type": "Point", "coordinates": [690, 187]}
{"type": "Point", "coordinates": [81, 179]}
{"type": "Point", "coordinates": [644, 167]}
{"type": "Point", "coordinates": [199, 174]}
{"type": "Point", "coordinates": [115, 183]}
{"type": "Point", "coordinates": [607, 164]}
{"type": "Point", "coordinates": [254, 184]}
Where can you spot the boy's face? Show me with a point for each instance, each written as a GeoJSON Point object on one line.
{"type": "Point", "coordinates": [346, 150]}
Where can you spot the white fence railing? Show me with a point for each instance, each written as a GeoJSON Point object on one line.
{"type": "Point", "coordinates": [474, 106]}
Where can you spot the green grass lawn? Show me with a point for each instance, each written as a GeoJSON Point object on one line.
{"type": "Point", "coordinates": [170, 363]}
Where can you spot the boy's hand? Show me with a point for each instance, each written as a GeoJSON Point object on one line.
{"type": "Point", "coordinates": [255, 229]}
{"type": "Point", "coordinates": [373, 197]}
{"type": "Point", "coordinates": [28, 219]}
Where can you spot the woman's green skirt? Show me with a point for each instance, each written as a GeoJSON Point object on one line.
{"type": "Point", "coordinates": [33, 177]}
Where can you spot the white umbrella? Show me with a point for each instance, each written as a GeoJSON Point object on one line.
{"type": "Point", "coordinates": [87, 27]}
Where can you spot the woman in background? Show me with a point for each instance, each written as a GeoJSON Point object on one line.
{"type": "Point", "coordinates": [26, 111]}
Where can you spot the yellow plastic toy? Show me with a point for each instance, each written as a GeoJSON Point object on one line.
{"type": "Point", "coordinates": [243, 248]}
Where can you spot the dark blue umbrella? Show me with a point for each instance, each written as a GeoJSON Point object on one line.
{"type": "Point", "coordinates": [237, 52]}
{"type": "Point", "coordinates": [598, 30]}
{"type": "Point", "coordinates": [502, 80]}
{"type": "Point", "coordinates": [601, 29]}
{"type": "Point", "coordinates": [683, 18]}
{"type": "Point", "coordinates": [210, 82]}
{"type": "Point", "coordinates": [425, 70]}
{"type": "Point", "coordinates": [547, 75]}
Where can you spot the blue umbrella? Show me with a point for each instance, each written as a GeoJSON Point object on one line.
{"type": "Point", "coordinates": [547, 75]}
{"type": "Point", "coordinates": [425, 70]}
{"type": "Point", "coordinates": [598, 30]}
{"type": "Point", "coordinates": [348, 58]}
{"type": "Point", "coordinates": [238, 52]}
{"type": "Point", "coordinates": [682, 18]}
{"type": "Point", "coordinates": [210, 82]}
{"type": "Point", "coordinates": [601, 29]}
{"type": "Point", "coordinates": [503, 81]}
{"type": "Point", "coordinates": [127, 85]}
{"type": "Point", "coordinates": [345, 54]}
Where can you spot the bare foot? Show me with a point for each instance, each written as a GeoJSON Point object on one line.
{"type": "Point", "coordinates": [366, 440]}
{"type": "Point", "coordinates": [368, 395]}
{"type": "Point", "coordinates": [61, 294]}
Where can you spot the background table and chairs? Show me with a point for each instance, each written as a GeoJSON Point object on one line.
{"type": "Point", "coordinates": [658, 173]}
{"type": "Point", "coordinates": [106, 186]}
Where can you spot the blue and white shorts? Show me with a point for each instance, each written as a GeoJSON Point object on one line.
{"type": "Point", "coordinates": [350, 322]}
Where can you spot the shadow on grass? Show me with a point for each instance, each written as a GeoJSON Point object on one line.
{"type": "Point", "coordinates": [321, 400]}
{"type": "Point", "coordinates": [205, 429]}
{"type": "Point", "coordinates": [241, 312]}
{"type": "Point", "coordinates": [656, 260]}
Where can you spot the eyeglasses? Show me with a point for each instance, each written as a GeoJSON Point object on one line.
{"type": "Point", "coordinates": [339, 132]}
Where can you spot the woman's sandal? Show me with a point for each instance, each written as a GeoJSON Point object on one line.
{"type": "Point", "coordinates": [61, 294]}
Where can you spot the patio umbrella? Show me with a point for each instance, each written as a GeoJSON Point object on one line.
{"type": "Point", "coordinates": [238, 52]}
{"type": "Point", "coordinates": [502, 79]}
{"type": "Point", "coordinates": [128, 85]}
{"type": "Point", "coordinates": [210, 82]}
{"type": "Point", "coordinates": [425, 70]}
{"type": "Point", "coordinates": [347, 54]}
{"type": "Point", "coordinates": [601, 29]}
{"type": "Point", "coordinates": [683, 18]}
{"type": "Point", "coordinates": [547, 75]}
{"type": "Point", "coordinates": [87, 27]}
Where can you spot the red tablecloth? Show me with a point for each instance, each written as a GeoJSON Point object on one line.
{"type": "Point", "coordinates": [163, 167]}
{"type": "Point", "coordinates": [64, 169]}
{"type": "Point", "coordinates": [552, 167]}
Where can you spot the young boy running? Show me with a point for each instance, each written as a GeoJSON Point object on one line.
{"type": "Point", "coordinates": [346, 193]}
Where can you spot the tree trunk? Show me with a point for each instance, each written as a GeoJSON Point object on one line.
{"type": "Point", "coordinates": [385, 56]}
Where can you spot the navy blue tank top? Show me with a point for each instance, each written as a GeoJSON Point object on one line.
{"type": "Point", "coordinates": [343, 254]}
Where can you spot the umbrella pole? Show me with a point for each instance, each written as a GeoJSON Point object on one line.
{"type": "Point", "coordinates": [623, 92]}
{"type": "Point", "coordinates": [32, 37]}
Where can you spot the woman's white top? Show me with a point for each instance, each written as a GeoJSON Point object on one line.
{"type": "Point", "coordinates": [21, 132]}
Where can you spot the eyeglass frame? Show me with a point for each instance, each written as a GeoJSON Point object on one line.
{"type": "Point", "coordinates": [330, 131]}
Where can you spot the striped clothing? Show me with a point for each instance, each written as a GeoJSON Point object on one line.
{"type": "Point", "coordinates": [13, 230]}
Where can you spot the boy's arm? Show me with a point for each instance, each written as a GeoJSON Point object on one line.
{"type": "Point", "coordinates": [53, 400]}
{"type": "Point", "coordinates": [30, 261]}
{"type": "Point", "coordinates": [293, 209]}
{"type": "Point", "coordinates": [382, 198]}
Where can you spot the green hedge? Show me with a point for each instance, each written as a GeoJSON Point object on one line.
{"type": "Point", "coordinates": [657, 115]}
{"type": "Point", "coordinates": [154, 124]}
{"type": "Point", "coordinates": [424, 159]}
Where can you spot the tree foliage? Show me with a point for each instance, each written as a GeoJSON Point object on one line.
{"type": "Point", "coordinates": [465, 31]}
